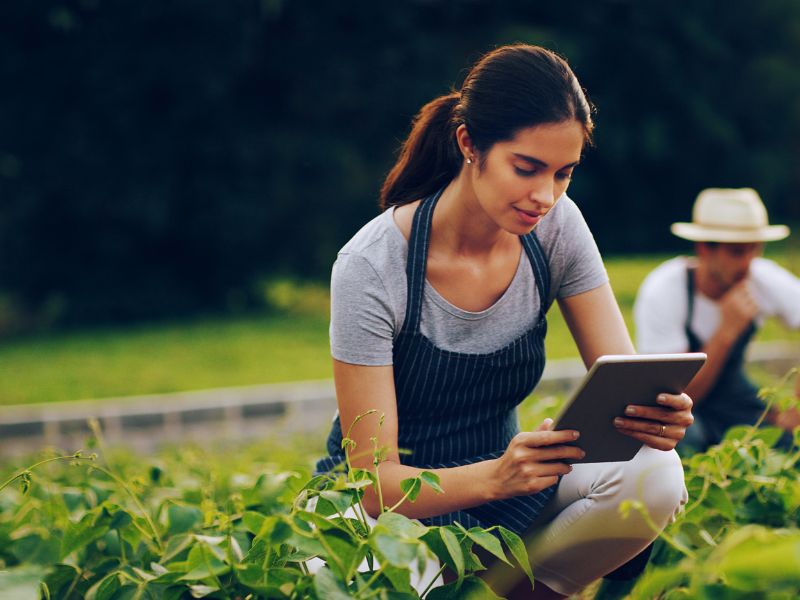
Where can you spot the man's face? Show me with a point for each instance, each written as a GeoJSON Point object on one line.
{"type": "Point", "coordinates": [727, 264]}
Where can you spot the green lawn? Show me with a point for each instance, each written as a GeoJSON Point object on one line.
{"type": "Point", "coordinates": [289, 344]}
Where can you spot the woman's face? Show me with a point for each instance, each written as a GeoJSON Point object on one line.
{"type": "Point", "coordinates": [518, 181]}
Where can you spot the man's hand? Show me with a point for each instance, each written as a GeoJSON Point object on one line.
{"type": "Point", "coordinates": [738, 308]}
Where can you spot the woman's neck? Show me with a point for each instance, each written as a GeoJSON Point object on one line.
{"type": "Point", "coordinates": [460, 225]}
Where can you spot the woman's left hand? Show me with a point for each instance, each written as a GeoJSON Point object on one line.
{"type": "Point", "coordinates": [660, 427]}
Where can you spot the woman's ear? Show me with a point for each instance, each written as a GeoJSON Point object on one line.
{"type": "Point", "coordinates": [465, 142]}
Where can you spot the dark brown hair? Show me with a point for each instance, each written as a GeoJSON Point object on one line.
{"type": "Point", "coordinates": [508, 89]}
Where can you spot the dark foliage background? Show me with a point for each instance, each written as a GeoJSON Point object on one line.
{"type": "Point", "coordinates": [158, 158]}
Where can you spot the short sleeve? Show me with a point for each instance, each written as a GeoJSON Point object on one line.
{"type": "Point", "coordinates": [583, 265]}
{"type": "Point", "coordinates": [659, 316]}
{"type": "Point", "coordinates": [780, 292]}
{"type": "Point", "coordinates": [362, 322]}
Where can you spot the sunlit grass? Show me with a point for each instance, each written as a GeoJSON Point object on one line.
{"type": "Point", "coordinates": [289, 344]}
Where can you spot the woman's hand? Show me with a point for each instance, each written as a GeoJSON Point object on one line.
{"type": "Point", "coordinates": [659, 428]}
{"type": "Point", "coordinates": [533, 461]}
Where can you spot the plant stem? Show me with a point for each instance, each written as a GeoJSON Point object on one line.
{"type": "Point", "coordinates": [137, 502]}
{"type": "Point", "coordinates": [41, 462]}
{"type": "Point", "coordinates": [432, 581]}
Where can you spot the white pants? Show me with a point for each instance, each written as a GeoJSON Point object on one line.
{"type": "Point", "coordinates": [582, 536]}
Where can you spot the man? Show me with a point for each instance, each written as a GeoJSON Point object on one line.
{"type": "Point", "coordinates": [714, 302]}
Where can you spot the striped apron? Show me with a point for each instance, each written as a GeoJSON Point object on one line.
{"type": "Point", "coordinates": [458, 408]}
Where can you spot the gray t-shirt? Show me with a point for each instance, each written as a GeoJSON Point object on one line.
{"type": "Point", "coordinates": [368, 291]}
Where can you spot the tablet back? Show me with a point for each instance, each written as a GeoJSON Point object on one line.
{"type": "Point", "coordinates": [614, 382]}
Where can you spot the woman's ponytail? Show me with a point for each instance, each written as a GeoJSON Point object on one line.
{"type": "Point", "coordinates": [510, 88]}
{"type": "Point", "coordinates": [429, 158]}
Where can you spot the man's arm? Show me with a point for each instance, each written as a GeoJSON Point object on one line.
{"type": "Point", "coordinates": [737, 310]}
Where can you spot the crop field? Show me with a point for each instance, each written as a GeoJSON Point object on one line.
{"type": "Point", "coordinates": [251, 522]}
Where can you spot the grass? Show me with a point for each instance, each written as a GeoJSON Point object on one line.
{"type": "Point", "coordinates": [289, 344]}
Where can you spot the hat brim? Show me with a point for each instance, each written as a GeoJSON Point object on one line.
{"type": "Point", "coordinates": [700, 233]}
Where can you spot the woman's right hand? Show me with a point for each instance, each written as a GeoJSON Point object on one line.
{"type": "Point", "coordinates": [533, 461]}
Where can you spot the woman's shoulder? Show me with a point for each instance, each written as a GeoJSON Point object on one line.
{"type": "Point", "coordinates": [377, 234]}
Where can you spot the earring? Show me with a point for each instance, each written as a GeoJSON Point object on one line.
{"type": "Point", "coordinates": [469, 160]}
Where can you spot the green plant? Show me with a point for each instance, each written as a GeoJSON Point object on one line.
{"type": "Point", "coordinates": [169, 534]}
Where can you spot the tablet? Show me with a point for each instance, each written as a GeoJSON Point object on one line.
{"type": "Point", "coordinates": [614, 382]}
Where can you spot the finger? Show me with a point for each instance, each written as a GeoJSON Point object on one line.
{"type": "Point", "coordinates": [654, 441]}
{"type": "Point", "coordinates": [654, 428]}
{"type": "Point", "coordinates": [662, 415]}
{"type": "Point", "coordinates": [550, 469]}
{"type": "Point", "coordinates": [549, 453]}
{"type": "Point", "coordinates": [675, 401]}
{"type": "Point", "coordinates": [535, 439]}
{"type": "Point", "coordinates": [547, 425]}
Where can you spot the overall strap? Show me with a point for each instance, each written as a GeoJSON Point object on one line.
{"type": "Point", "coordinates": [418, 243]}
{"type": "Point", "coordinates": [694, 342]}
{"type": "Point", "coordinates": [540, 266]}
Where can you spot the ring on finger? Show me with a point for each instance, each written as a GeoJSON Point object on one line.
{"type": "Point", "coordinates": [662, 430]}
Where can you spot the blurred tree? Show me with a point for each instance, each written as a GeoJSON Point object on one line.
{"type": "Point", "coordinates": [158, 158]}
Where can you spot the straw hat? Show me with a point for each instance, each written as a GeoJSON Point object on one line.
{"type": "Point", "coordinates": [729, 215]}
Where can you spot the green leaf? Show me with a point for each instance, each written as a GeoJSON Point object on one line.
{"type": "Point", "coordinates": [488, 542]}
{"type": "Point", "coordinates": [454, 549]}
{"type": "Point", "coordinates": [328, 587]}
{"type": "Point", "coordinates": [341, 552]}
{"type": "Point", "coordinates": [203, 562]}
{"type": "Point", "coordinates": [758, 559]}
{"type": "Point", "coordinates": [201, 591]}
{"type": "Point", "coordinates": [432, 480]}
{"type": "Point", "coordinates": [471, 588]}
{"type": "Point", "coordinates": [60, 577]}
{"type": "Point", "coordinates": [769, 435]}
{"type": "Point", "coordinates": [78, 535]}
{"type": "Point", "coordinates": [399, 578]}
{"type": "Point", "coordinates": [105, 588]}
{"type": "Point", "coordinates": [402, 526]}
{"type": "Point", "coordinates": [411, 487]}
{"type": "Point", "coordinates": [120, 520]}
{"type": "Point", "coordinates": [182, 518]}
{"type": "Point", "coordinates": [718, 498]}
{"type": "Point", "coordinates": [518, 550]}
{"type": "Point", "coordinates": [176, 546]}
{"type": "Point", "coordinates": [340, 500]}
{"type": "Point", "coordinates": [395, 551]}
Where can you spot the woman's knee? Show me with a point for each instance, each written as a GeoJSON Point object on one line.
{"type": "Point", "coordinates": [656, 479]}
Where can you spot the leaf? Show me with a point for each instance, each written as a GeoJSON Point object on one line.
{"type": "Point", "coordinates": [253, 521]}
{"type": "Point", "coordinates": [411, 487]}
{"type": "Point", "coordinates": [340, 500]}
{"type": "Point", "coordinates": [78, 535]}
{"type": "Point", "coordinates": [397, 552]}
{"type": "Point", "coordinates": [341, 553]}
{"type": "Point", "coordinates": [176, 546]}
{"type": "Point", "coordinates": [399, 578]}
{"type": "Point", "coordinates": [105, 588]}
{"type": "Point", "coordinates": [201, 591]}
{"type": "Point", "coordinates": [454, 549]}
{"type": "Point", "coordinates": [401, 525]}
{"type": "Point", "coordinates": [182, 518]}
{"type": "Point", "coordinates": [718, 498]}
{"type": "Point", "coordinates": [328, 587]}
{"type": "Point", "coordinates": [432, 480]}
{"type": "Point", "coordinates": [758, 559]}
{"type": "Point", "coordinates": [471, 588]}
{"type": "Point", "coordinates": [518, 550]}
{"type": "Point", "coordinates": [202, 562]}
{"type": "Point", "coordinates": [488, 542]}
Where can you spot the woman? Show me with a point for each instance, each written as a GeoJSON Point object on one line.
{"type": "Point", "coordinates": [438, 322]}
